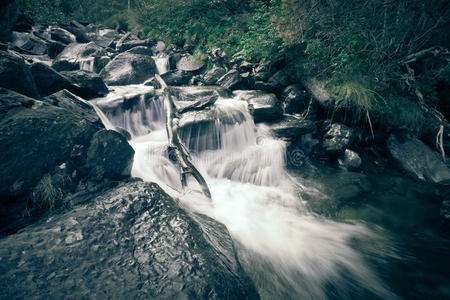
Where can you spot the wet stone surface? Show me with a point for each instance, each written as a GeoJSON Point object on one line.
{"type": "Point", "coordinates": [133, 242]}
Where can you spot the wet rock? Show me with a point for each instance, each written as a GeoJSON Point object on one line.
{"type": "Point", "coordinates": [291, 128]}
{"type": "Point", "coordinates": [143, 50]}
{"type": "Point", "coordinates": [74, 55]}
{"type": "Point", "coordinates": [78, 30]}
{"type": "Point", "coordinates": [15, 75]}
{"type": "Point", "coordinates": [189, 63]}
{"type": "Point", "coordinates": [231, 80]}
{"type": "Point", "coordinates": [177, 77]}
{"type": "Point", "coordinates": [128, 68]}
{"type": "Point", "coordinates": [195, 93]}
{"type": "Point", "coordinates": [62, 35]}
{"type": "Point", "coordinates": [445, 210]}
{"type": "Point", "coordinates": [132, 241]}
{"type": "Point", "coordinates": [36, 137]}
{"type": "Point", "coordinates": [213, 75]}
{"type": "Point", "coordinates": [47, 80]}
{"type": "Point", "coordinates": [280, 80]}
{"type": "Point", "coordinates": [135, 43]}
{"type": "Point", "coordinates": [418, 159]}
{"type": "Point", "coordinates": [337, 138]}
{"type": "Point", "coordinates": [296, 99]}
{"type": "Point", "coordinates": [85, 84]}
{"type": "Point", "coordinates": [105, 36]}
{"type": "Point", "coordinates": [30, 43]}
{"type": "Point", "coordinates": [70, 102]}
{"type": "Point", "coordinates": [55, 48]}
{"type": "Point", "coordinates": [263, 106]}
{"type": "Point", "coordinates": [158, 48]}
{"type": "Point", "coordinates": [109, 156]}
{"type": "Point", "coordinates": [350, 159]}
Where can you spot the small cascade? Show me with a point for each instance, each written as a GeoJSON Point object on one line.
{"type": "Point", "coordinates": [87, 64]}
{"type": "Point", "coordinates": [162, 63]}
{"type": "Point", "coordinates": [288, 252]}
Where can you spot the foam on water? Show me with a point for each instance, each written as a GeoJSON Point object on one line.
{"type": "Point", "coordinates": [288, 251]}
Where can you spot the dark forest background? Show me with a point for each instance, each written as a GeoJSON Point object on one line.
{"type": "Point", "coordinates": [384, 58]}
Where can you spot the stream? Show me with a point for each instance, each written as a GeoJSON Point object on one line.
{"type": "Point", "coordinates": [301, 234]}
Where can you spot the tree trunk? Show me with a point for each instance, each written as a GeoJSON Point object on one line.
{"type": "Point", "coordinates": [177, 151]}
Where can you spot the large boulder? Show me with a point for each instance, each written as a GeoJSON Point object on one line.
{"type": "Point", "coordinates": [213, 75]}
{"type": "Point", "coordinates": [189, 63]}
{"type": "Point", "coordinates": [47, 80]}
{"type": "Point", "coordinates": [291, 128]}
{"type": "Point", "coordinates": [109, 156]}
{"type": "Point", "coordinates": [177, 77]}
{"type": "Point", "coordinates": [296, 99]}
{"type": "Point", "coordinates": [85, 84]}
{"type": "Point", "coordinates": [231, 80]}
{"type": "Point", "coordinates": [280, 80]}
{"type": "Point", "coordinates": [15, 75]}
{"type": "Point", "coordinates": [418, 159]}
{"type": "Point", "coordinates": [62, 35]}
{"type": "Point", "coordinates": [36, 137]}
{"type": "Point", "coordinates": [78, 30]}
{"type": "Point", "coordinates": [74, 55]}
{"type": "Point", "coordinates": [132, 241]}
{"type": "Point", "coordinates": [135, 43]}
{"type": "Point", "coordinates": [263, 106]}
{"type": "Point", "coordinates": [128, 68]}
{"type": "Point", "coordinates": [337, 138]}
{"type": "Point", "coordinates": [29, 43]}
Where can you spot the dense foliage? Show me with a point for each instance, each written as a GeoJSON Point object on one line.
{"type": "Point", "coordinates": [360, 47]}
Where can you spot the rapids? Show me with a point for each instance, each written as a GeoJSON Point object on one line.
{"type": "Point", "coordinates": [287, 250]}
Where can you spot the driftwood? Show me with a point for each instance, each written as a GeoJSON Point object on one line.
{"type": "Point", "coordinates": [177, 150]}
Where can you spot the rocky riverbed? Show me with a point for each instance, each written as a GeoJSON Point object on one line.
{"type": "Point", "coordinates": [81, 113]}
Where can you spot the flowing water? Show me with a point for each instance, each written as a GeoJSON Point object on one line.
{"type": "Point", "coordinates": [276, 218]}
{"type": "Point", "coordinates": [288, 251]}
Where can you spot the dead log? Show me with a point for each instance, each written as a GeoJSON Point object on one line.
{"type": "Point", "coordinates": [177, 151]}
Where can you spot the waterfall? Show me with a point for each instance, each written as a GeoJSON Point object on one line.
{"type": "Point", "coordinates": [288, 252]}
{"type": "Point", "coordinates": [162, 63]}
{"type": "Point", "coordinates": [87, 64]}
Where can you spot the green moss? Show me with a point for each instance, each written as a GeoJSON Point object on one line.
{"type": "Point", "coordinates": [27, 103]}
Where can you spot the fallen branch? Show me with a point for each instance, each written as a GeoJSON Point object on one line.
{"type": "Point", "coordinates": [177, 150]}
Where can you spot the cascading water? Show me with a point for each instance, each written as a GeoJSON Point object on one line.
{"type": "Point", "coordinates": [287, 251]}
{"type": "Point", "coordinates": [87, 64]}
{"type": "Point", "coordinates": [162, 63]}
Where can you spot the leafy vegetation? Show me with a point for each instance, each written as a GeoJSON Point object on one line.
{"type": "Point", "coordinates": [361, 48]}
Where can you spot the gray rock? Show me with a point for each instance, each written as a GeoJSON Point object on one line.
{"type": "Point", "coordinates": [143, 50]}
{"type": "Point", "coordinates": [296, 99]}
{"type": "Point", "coordinates": [350, 159]}
{"type": "Point", "coordinates": [189, 63]}
{"type": "Point", "coordinates": [445, 210]}
{"type": "Point", "coordinates": [158, 48]}
{"type": "Point", "coordinates": [263, 106]}
{"type": "Point", "coordinates": [231, 80]}
{"type": "Point", "coordinates": [128, 68]}
{"type": "Point", "coordinates": [62, 35]}
{"type": "Point", "coordinates": [70, 102]}
{"type": "Point", "coordinates": [177, 77]}
{"type": "Point", "coordinates": [78, 30]}
{"type": "Point", "coordinates": [75, 54]}
{"type": "Point", "coordinates": [47, 80]}
{"type": "Point", "coordinates": [135, 43]}
{"type": "Point", "coordinates": [15, 75]}
{"type": "Point", "coordinates": [85, 84]}
{"type": "Point", "coordinates": [109, 156]}
{"type": "Point", "coordinates": [418, 159]}
{"type": "Point", "coordinates": [212, 76]}
{"type": "Point", "coordinates": [29, 42]}
{"type": "Point", "coordinates": [280, 80]}
{"type": "Point", "coordinates": [337, 138]}
{"type": "Point", "coordinates": [291, 128]}
{"type": "Point", "coordinates": [36, 137]}
{"type": "Point", "coordinates": [132, 241]}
